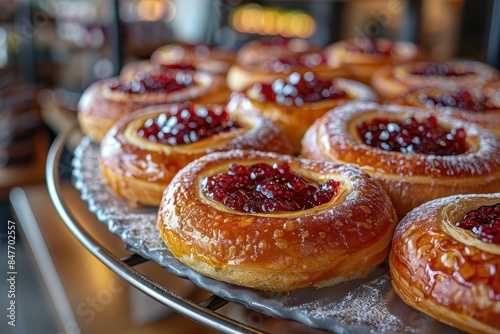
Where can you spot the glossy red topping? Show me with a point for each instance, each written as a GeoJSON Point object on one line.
{"type": "Point", "coordinates": [158, 82]}
{"type": "Point", "coordinates": [297, 89]}
{"type": "Point", "coordinates": [443, 70]}
{"type": "Point", "coordinates": [371, 46]}
{"type": "Point", "coordinates": [411, 136]}
{"type": "Point", "coordinates": [461, 99]}
{"type": "Point", "coordinates": [263, 188]}
{"type": "Point", "coordinates": [186, 124]}
{"type": "Point", "coordinates": [483, 222]}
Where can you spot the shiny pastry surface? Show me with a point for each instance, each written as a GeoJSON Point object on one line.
{"type": "Point", "coordinates": [455, 157]}
{"type": "Point", "coordinates": [141, 154]}
{"type": "Point", "coordinates": [476, 105]}
{"type": "Point", "coordinates": [340, 239]}
{"type": "Point", "coordinates": [295, 102]}
{"type": "Point", "coordinates": [362, 56]}
{"type": "Point", "coordinates": [446, 271]}
{"type": "Point", "coordinates": [393, 80]}
{"type": "Point", "coordinates": [106, 101]}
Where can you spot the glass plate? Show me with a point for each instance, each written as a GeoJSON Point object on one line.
{"type": "Point", "coordinates": [359, 306]}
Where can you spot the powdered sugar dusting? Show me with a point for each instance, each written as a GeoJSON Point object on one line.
{"type": "Point", "coordinates": [366, 305]}
{"type": "Point", "coordinates": [136, 224]}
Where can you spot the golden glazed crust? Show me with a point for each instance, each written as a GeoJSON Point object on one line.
{"type": "Point", "coordinates": [339, 240]}
{"type": "Point", "coordinates": [441, 272]}
{"type": "Point", "coordinates": [362, 65]}
{"type": "Point", "coordinates": [139, 170]}
{"type": "Point", "coordinates": [295, 120]}
{"type": "Point", "coordinates": [100, 107]}
{"type": "Point", "coordinates": [391, 81]}
{"type": "Point", "coordinates": [409, 179]}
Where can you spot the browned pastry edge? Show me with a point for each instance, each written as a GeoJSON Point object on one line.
{"type": "Point", "coordinates": [435, 272]}
{"type": "Point", "coordinates": [139, 170]}
{"type": "Point", "coordinates": [409, 179]}
{"type": "Point", "coordinates": [337, 241]}
{"type": "Point", "coordinates": [391, 81]}
{"type": "Point", "coordinates": [99, 107]}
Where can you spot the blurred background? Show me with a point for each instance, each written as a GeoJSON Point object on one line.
{"type": "Point", "coordinates": [51, 50]}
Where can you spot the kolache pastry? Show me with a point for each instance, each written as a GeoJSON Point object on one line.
{"type": "Point", "coordinates": [202, 57]}
{"type": "Point", "coordinates": [445, 261]}
{"type": "Point", "coordinates": [276, 222]}
{"type": "Point", "coordinates": [414, 155]}
{"type": "Point", "coordinates": [477, 105]}
{"type": "Point", "coordinates": [265, 61]}
{"type": "Point", "coordinates": [140, 154]}
{"type": "Point", "coordinates": [295, 102]}
{"type": "Point", "coordinates": [363, 56]}
{"type": "Point", "coordinates": [105, 101]}
{"type": "Point", "coordinates": [391, 81]}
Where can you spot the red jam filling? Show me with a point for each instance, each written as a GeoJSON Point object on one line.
{"type": "Point", "coordinates": [461, 99]}
{"type": "Point", "coordinates": [442, 70]}
{"type": "Point", "coordinates": [298, 89]}
{"type": "Point", "coordinates": [186, 124]}
{"type": "Point", "coordinates": [483, 222]}
{"type": "Point", "coordinates": [411, 136]}
{"type": "Point", "coordinates": [158, 82]}
{"type": "Point", "coordinates": [372, 47]}
{"type": "Point", "coordinates": [261, 188]}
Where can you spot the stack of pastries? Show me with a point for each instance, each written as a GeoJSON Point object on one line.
{"type": "Point", "coordinates": [286, 165]}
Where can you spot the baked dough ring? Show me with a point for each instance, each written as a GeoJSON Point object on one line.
{"type": "Point", "coordinates": [139, 170]}
{"type": "Point", "coordinates": [474, 112]}
{"type": "Point", "coordinates": [409, 179]}
{"type": "Point", "coordinates": [203, 57]}
{"type": "Point", "coordinates": [350, 54]}
{"type": "Point", "coordinates": [295, 120]}
{"type": "Point", "coordinates": [391, 81]}
{"type": "Point", "coordinates": [340, 240]}
{"type": "Point", "coordinates": [262, 62]}
{"type": "Point", "coordinates": [100, 107]}
{"type": "Point", "coordinates": [446, 271]}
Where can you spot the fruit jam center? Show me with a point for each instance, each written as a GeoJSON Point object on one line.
{"type": "Point", "coordinates": [442, 70]}
{"type": "Point", "coordinates": [262, 188]}
{"type": "Point", "coordinates": [372, 46]}
{"type": "Point", "coordinates": [298, 89]}
{"type": "Point", "coordinates": [167, 81]}
{"type": "Point", "coordinates": [410, 136]}
{"type": "Point", "coordinates": [483, 222]}
{"type": "Point", "coordinates": [185, 125]}
{"type": "Point", "coordinates": [462, 100]}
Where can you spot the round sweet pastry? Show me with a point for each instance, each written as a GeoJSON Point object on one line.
{"type": "Point", "coordinates": [140, 155]}
{"type": "Point", "coordinates": [414, 155]}
{"type": "Point", "coordinates": [132, 68]}
{"type": "Point", "coordinates": [445, 261]}
{"type": "Point", "coordinates": [363, 56]}
{"type": "Point", "coordinates": [262, 62]}
{"type": "Point", "coordinates": [479, 106]}
{"type": "Point", "coordinates": [203, 57]}
{"type": "Point", "coordinates": [106, 101]}
{"type": "Point", "coordinates": [275, 222]}
{"type": "Point", "coordinates": [294, 103]}
{"type": "Point", "coordinates": [393, 80]}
